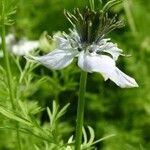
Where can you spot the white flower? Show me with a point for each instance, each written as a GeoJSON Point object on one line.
{"type": "Point", "coordinates": [9, 39]}
{"type": "Point", "coordinates": [97, 57]}
{"type": "Point", "coordinates": [21, 47]}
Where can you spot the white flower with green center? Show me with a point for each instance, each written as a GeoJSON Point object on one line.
{"type": "Point", "coordinates": [95, 53]}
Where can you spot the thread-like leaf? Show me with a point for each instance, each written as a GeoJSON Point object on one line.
{"type": "Point", "coordinates": [110, 4]}
{"type": "Point", "coordinates": [11, 115]}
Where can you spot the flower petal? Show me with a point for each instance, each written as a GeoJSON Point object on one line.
{"type": "Point", "coordinates": [122, 80]}
{"type": "Point", "coordinates": [106, 66]}
{"type": "Point", "coordinates": [113, 50]}
{"type": "Point", "coordinates": [10, 39]}
{"type": "Point", "coordinates": [61, 42]}
{"type": "Point", "coordinates": [95, 63]}
{"type": "Point", "coordinates": [109, 47]}
{"type": "Point", "coordinates": [24, 47]}
{"type": "Point", "coordinates": [57, 59]}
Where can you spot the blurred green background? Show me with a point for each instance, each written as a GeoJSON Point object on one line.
{"type": "Point", "coordinates": [109, 109]}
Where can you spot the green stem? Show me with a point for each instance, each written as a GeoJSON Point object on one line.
{"type": "Point", "coordinates": [91, 2]}
{"type": "Point", "coordinates": [80, 110]}
{"type": "Point", "coordinates": [130, 18]}
{"type": "Point", "coordinates": [18, 138]}
{"type": "Point", "coordinates": [6, 59]}
{"type": "Point", "coordinates": [8, 70]}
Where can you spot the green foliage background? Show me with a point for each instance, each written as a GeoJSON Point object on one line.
{"type": "Point", "coordinates": [109, 109]}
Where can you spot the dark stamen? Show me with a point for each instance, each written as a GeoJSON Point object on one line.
{"type": "Point", "coordinates": [92, 26]}
{"type": "Point", "coordinates": [79, 49]}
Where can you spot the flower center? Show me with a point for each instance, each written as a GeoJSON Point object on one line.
{"type": "Point", "coordinates": [91, 25]}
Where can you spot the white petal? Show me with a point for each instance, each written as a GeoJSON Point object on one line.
{"type": "Point", "coordinates": [57, 59]}
{"type": "Point", "coordinates": [113, 50]}
{"type": "Point", "coordinates": [109, 47]}
{"type": "Point", "coordinates": [122, 80]}
{"type": "Point", "coordinates": [24, 47]}
{"type": "Point", "coordinates": [96, 63]}
{"type": "Point", "coordinates": [61, 43]}
{"type": "Point", "coordinates": [106, 66]}
{"type": "Point", "coordinates": [10, 39]}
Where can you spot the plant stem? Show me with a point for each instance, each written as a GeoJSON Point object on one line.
{"type": "Point", "coordinates": [18, 137]}
{"type": "Point", "coordinates": [80, 110]}
{"type": "Point", "coordinates": [130, 18]}
{"type": "Point", "coordinates": [91, 2]}
{"type": "Point", "coordinates": [6, 59]}
{"type": "Point", "coordinates": [8, 70]}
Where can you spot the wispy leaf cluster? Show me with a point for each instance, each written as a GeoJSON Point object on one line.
{"type": "Point", "coordinates": [8, 10]}
{"type": "Point", "coordinates": [88, 139]}
{"type": "Point", "coordinates": [25, 116]}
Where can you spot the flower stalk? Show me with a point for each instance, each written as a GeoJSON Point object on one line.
{"type": "Point", "coordinates": [8, 70]}
{"type": "Point", "coordinates": [130, 18]}
{"type": "Point", "coordinates": [80, 110]}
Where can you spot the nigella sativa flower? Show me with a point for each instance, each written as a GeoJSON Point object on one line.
{"type": "Point", "coordinates": [87, 42]}
{"type": "Point", "coordinates": [24, 47]}
{"type": "Point", "coordinates": [20, 47]}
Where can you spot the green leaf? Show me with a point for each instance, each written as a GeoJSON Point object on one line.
{"type": "Point", "coordinates": [8, 10]}
{"type": "Point", "coordinates": [12, 115]}
{"type": "Point", "coordinates": [62, 111]}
